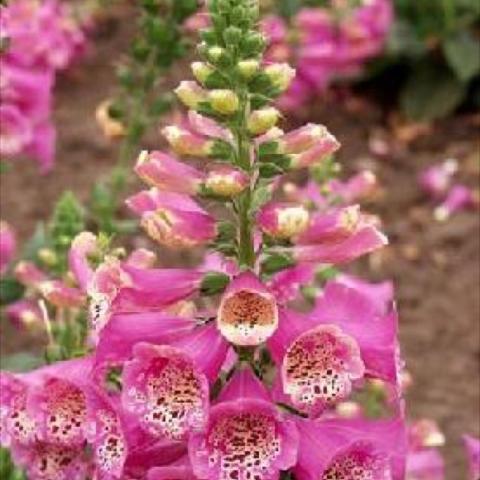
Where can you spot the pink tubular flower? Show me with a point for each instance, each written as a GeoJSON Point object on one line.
{"type": "Point", "coordinates": [185, 142]}
{"type": "Point", "coordinates": [381, 294]}
{"type": "Point", "coordinates": [248, 312]}
{"type": "Point", "coordinates": [16, 132]}
{"type": "Point", "coordinates": [436, 179]}
{"type": "Point", "coordinates": [173, 220]}
{"type": "Point", "coordinates": [106, 434]}
{"type": "Point", "coordinates": [7, 246]}
{"type": "Point", "coordinates": [285, 285]}
{"type": "Point", "coordinates": [283, 220]}
{"type": "Point", "coordinates": [61, 295]}
{"type": "Point", "coordinates": [24, 315]}
{"type": "Point", "coordinates": [165, 390]}
{"type": "Point", "coordinates": [322, 353]}
{"type": "Point", "coordinates": [42, 34]}
{"type": "Point", "coordinates": [459, 198]}
{"type": "Point", "coordinates": [28, 274]}
{"type": "Point", "coordinates": [323, 147]}
{"type": "Point", "coordinates": [164, 172]}
{"type": "Point", "coordinates": [225, 181]}
{"type": "Point", "coordinates": [425, 464]}
{"type": "Point", "coordinates": [246, 437]}
{"type": "Point", "coordinates": [472, 447]}
{"type": "Point", "coordinates": [338, 448]}
{"type": "Point", "coordinates": [43, 461]}
{"type": "Point", "coordinates": [330, 244]}
{"type": "Point", "coordinates": [305, 138]}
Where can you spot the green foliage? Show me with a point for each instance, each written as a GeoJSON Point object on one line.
{"type": "Point", "coordinates": [10, 290]}
{"type": "Point", "coordinates": [8, 471]}
{"type": "Point", "coordinates": [437, 42]}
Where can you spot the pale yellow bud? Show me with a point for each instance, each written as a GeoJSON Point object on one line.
{"type": "Point", "coordinates": [281, 75]}
{"type": "Point", "coordinates": [248, 68]}
{"type": "Point", "coordinates": [190, 93]}
{"type": "Point", "coordinates": [260, 121]}
{"type": "Point", "coordinates": [47, 256]}
{"type": "Point", "coordinates": [215, 53]}
{"type": "Point", "coordinates": [223, 101]}
{"type": "Point", "coordinates": [201, 71]}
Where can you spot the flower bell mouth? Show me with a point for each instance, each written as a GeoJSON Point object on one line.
{"type": "Point", "coordinates": [319, 367]}
{"type": "Point", "coordinates": [247, 317]}
{"type": "Point", "coordinates": [244, 440]}
{"type": "Point", "coordinates": [165, 389]}
{"type": "Point", "coordinates": [359, 462]}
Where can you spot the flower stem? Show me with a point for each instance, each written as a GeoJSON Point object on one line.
{"type": "Point", "coordinates": [246, 250]}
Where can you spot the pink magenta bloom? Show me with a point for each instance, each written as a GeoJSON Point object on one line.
{"type": "Point", "coordinates": [248, 312]}
{"type": "Point", "coordinates": [164, 172]}
{"type": "Point", "coordinates": [472, 447]}
{"type": "Point", "coordinates": [203, 344]}
{"type": "Point", "coordinates": [61, 295]}
{"type": "Point", "coordinates": [186, 142]}
{"type": "Point", "coordinates": [325, 145]}
{"type": "Point", "coordinates": [106, 434]}
{"type": "Point", "coordinates": [246, 437]}
{"type": "Point", "coordinates": [436, 179]}
{"type": "Point", "coordinates": [425, 464]}
{"type": "Point", "coordinates": [165, 390]}
{"type": "Point", "coordinates": [459, 198]}
{"type": "Point", "coordinates": [283, 220]}
{"type": "Point", "coordinates": [303, 138]}
{"type": "Point", "coordinates": [173, 220]}
{"type": "Point", "coordinates": [317, 247]}
{"type": "Point", "coordinates": [337, 448]}
{"type": "Point", "coordinates": [28, 274]}
{"type": "Point", "coordinates": [286, 284]}
{"type": "Point", "coordinates": [43, 34]}
{"type": "Point", "coordinates": [24, 314]}
{"type": "Point", "coordinates": [8, 246]}
{"type": "Point", "coordinates": [322, 353]}
{"type": "Point", "coordinates": [381, 294]}
{"type": "Point", "coordinates": [43, 461]}
{"type": "Point", "coordinates": [16, 132]}
{"type": "Point", "coordinates": [226, 181]}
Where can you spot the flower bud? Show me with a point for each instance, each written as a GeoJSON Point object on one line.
{"type": "Point", "coordinates": [28, 274]}
{"type": "Point", "coordinates": [184, 142]}
{"type": "Point", "coordinates": [215, 53]}
{"type": "Point", "coordinates": [111, 127]}
{"type": "Point", "coordinates": [281, 75]}
{"type": "Point", "coordinates": [325, 146]}
{"type": "Point", "coordinates": [223, 101]}
{"type": "Point", "coordinates": [283, 220]}
{"type": "Point", "coordinates": [260, 121]}
{"type": "Point", "coordinates": [165, 172]}
{"type": "Point", "coordinates": [24, 315]}
{"type": "Point", "coordinates": [48, 256]}
{"type": "Point", "coordinates": [191, 94]}
{"type": "Point", "coordinates": [226, 181]}
{"type": "Point", "coordinates": [248, 68]}
{"type": "Point", "coordinates": [58, 294]}
{"type": "Point", "coordinates": [201, 71]}
{"type": "Point", "coordinates": [301, 139]}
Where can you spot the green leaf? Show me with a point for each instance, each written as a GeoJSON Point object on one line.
{"type": "Point", "coordinates": [431, 92]}
{"type": "Point", "coordinates": [10, 290]}
{"type": "Point", "coordinates": [462, 51]}
{"type": "Point", "coordinates": [214, 283]}
{"type": "Point", "coordinates": [276, 262]}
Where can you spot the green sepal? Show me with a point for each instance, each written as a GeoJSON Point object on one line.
{"type": "Point", "coordinates": [214, 283]}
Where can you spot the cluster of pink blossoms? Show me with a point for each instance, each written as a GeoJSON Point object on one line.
{"type": "Point", "coordinates": [211, 372]}
{"type": "Point", "coordinates": [327, 43]}
{"type": "Point", "coordinates": [38, 39]}
{"type": "Point", "coordinates": [437, 182]}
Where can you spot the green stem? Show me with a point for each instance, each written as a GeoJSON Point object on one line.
{"type": "Point", "coordinates": [246, 250]}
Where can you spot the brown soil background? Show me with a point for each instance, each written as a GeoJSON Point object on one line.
{"type": "Point", "coordinates": [436, 267]}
